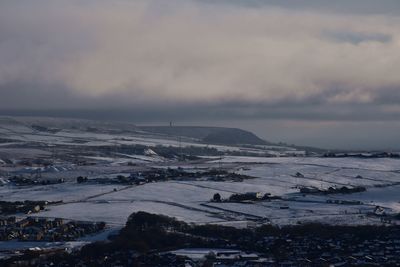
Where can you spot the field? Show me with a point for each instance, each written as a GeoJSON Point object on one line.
{"type": "Point", "coordinates": [189, 199]}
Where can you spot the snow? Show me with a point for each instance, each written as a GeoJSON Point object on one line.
{"type": "Point", "coordinates": [59, 192]}
{"type": "Point", "coordinates": [116, 213]}
{"type": "Point", "coordinates": [188, 199]}
{"type": "Point", "coordinates": [387, 197]}
{"type": "Point", "coordinates": [200, 253]}
{"type": "Point", "coordinates": [377, 164]}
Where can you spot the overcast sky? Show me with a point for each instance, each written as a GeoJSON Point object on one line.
{"type": "Point", "coordinates": [310, 72]}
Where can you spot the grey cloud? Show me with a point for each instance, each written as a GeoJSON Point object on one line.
{"type": "Point", "coordinates": [388, 7]}
{"type": "Point", "coordinates": [160, 60]}
{"type": "Point", "coordinates": [357, 37]}
{"type": "Point", "coordinates": [192, 53]}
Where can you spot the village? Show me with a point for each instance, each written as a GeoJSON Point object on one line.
{"type": "Point", "coordinates": [45, 229]}
{"type": "Point", "coordinates": [199, 246]}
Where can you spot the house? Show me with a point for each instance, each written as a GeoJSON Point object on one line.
{"type": "Point", "coordinates": [380, 211]}
{"type": "Point", "coordinates": [309, 190]}
{"type": "Point", "coordinates": [254, 195]}
{"type": "Point", "coordinates": [7, 220]}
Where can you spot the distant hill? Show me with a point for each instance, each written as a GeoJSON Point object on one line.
{"type": "Point", "coordinates": [53, 123]}
{"type": "Point", "coordinates": [212, 135]}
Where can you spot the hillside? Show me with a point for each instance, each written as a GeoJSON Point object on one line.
{"type": "Point", "coordinates": [212, 135]}
{"type": "Point", "coordinates": [203, 134]}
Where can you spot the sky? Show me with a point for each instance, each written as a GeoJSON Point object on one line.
{"type": "Point", "coordinates": [311, 72]}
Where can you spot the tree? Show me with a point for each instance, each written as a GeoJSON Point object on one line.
{"type": "Point", "coordinates": [81, 179]}
{"type": "Point", "coordinates": [217, 197]}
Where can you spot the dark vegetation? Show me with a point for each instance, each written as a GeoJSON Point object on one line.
{"type": "Point", "coordinates": [8, 207]}
{"type": "Point", "coordinates": [333, 190]}
{"type": "Point", "coordinates": [161, 175]}
{"type": "Point", "coordinates": [361, 155]}
{"type": "Point", "coordinates": [248, 197]}
{"type": "Point", "coordinates": [24, 181]}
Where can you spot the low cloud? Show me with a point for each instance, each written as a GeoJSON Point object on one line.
{"type": "Point", "coordinates": [156, 54]}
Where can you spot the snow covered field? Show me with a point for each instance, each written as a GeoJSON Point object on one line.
{"type": "Point", "coordinates": [189, 200]}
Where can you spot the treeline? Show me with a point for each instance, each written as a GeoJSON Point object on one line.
{"type": "Point", "coordinates": [27, 206]}
{"type": "Point", "coordinates": [333, 190]}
